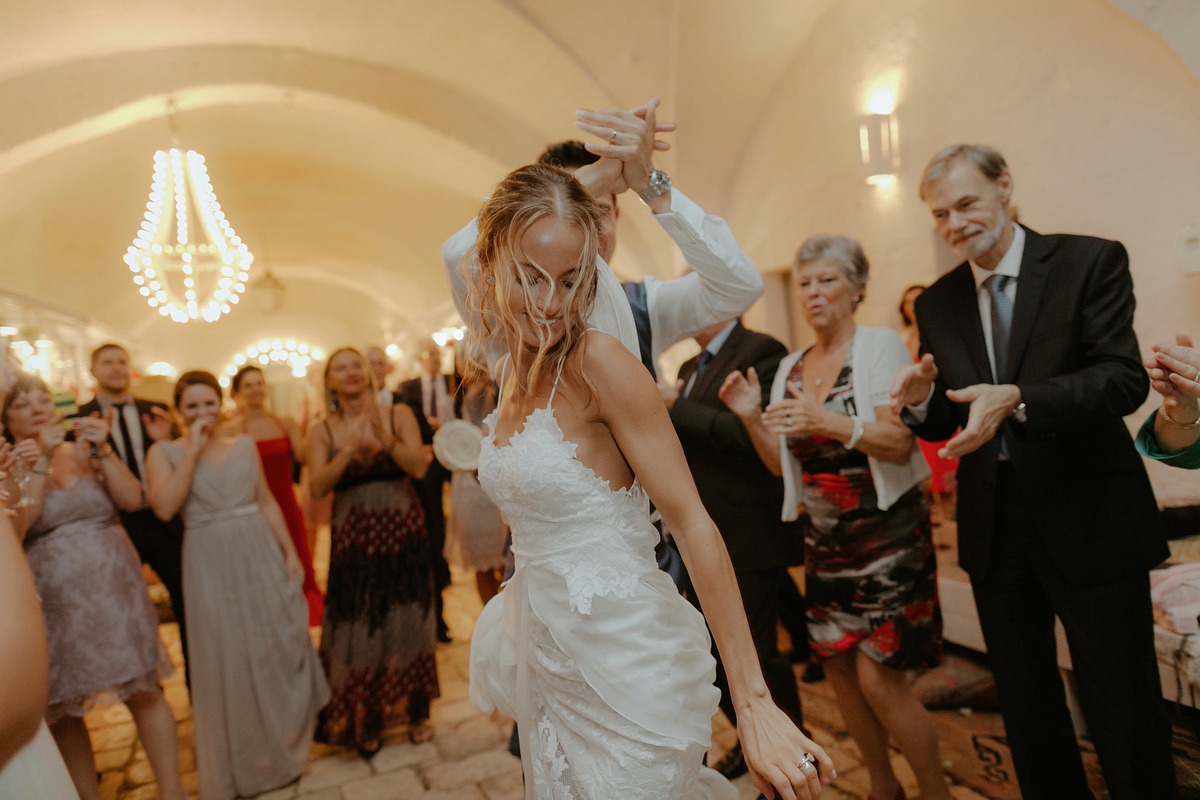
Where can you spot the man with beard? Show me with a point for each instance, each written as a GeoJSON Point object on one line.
{"type": "Point", "coordinates": [1028, 346]}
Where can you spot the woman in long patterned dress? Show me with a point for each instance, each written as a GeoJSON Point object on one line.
{"type": "Point", "coordinates": [101, 629]}
{"type": "Point", "coordinates": [279, 441]}
{"type": "Point", "coordinates": [855, 470]}
{"type": "Point", "coordinates": [378, 635]}
{"type": "Point", "coordinates": [256, 680]}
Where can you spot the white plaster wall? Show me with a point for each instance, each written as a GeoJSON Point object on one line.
{"type": "Point", "coordinates": [1098, 117]}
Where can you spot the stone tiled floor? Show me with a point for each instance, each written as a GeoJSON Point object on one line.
{"type": "Point", "coordinates": [468, 758]}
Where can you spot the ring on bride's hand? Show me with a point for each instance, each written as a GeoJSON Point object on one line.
{"type": "Point", "coordinates": [613, 139]}
{"type": "Point", "coordinates": [807, 763]}
{"type": "Point", "coordinates": [788, 420]}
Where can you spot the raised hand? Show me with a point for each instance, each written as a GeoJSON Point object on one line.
{"type": "Point", "coordinates": [742, 393]}
{"type": "Point", "coordinates": [1175, 374]}
{"type": "Point", "coordinates": [51, 436]}
{"type": "Point", "coordinates": [94, 429]}
{"type": "Point", "coordinates": [201, 432]}
{"type": "Point", "coordinates": [990, 405]}
{"type": "Point", "coordinates": [797, 415]}
{"type": "Point", "coordinates": [25, 454]}
{"type": "Point", "coordinates": [912, 383]}
{"type": "Point", "coordinates": [157, 424]}
{"type": "Point", "coordinates": [628, 136]}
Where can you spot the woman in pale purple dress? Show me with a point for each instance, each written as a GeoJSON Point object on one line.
{"type": "Point", "coordinates": [101, 629]}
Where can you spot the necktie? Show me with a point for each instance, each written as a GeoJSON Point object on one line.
{"type": "Point", "coordinates": [127, 441]}
{"type": "Point", "coordinates": [1002, 312]}
{"type": "Point", "coordinates": [705, 357]}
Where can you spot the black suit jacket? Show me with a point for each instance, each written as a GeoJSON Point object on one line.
{"type": "Point", "coordinates": [1073, 353]}
{"type": "Point", "coordinates": [410, 392]}
{"type": "Point", "coordinates": [741, 495]}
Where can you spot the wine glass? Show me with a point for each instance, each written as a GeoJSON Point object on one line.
{"type": "Point", "coordinates": [22, 473]}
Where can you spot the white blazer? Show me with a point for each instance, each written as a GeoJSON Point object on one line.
{"type": "Point", "coordinates": [876, 355]}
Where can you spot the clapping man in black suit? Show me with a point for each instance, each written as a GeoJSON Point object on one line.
{"type": "Point", "coordinates": [432, 396]}
{"type": "Point", "coordinates": [137, 424]}
{"type": "Point", "coordinates": [1028, 346]}
{"type": "Point", "coordinates": [742, 497]}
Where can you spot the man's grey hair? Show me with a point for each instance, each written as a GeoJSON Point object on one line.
{"type": "Point", "coordinates": [843, 251]}
{"type": "Point", "coordinates": [987, 159]}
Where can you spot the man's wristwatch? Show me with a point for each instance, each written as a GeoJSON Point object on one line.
{"type": "Point", "coordinates": [660, 183]}
{"type": "Point", "coordinates": [1018, 413]}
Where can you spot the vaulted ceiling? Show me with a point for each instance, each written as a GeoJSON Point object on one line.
{"type": "Point", "coordinates": [345, 139]}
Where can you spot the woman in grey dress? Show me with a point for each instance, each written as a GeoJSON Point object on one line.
{"type": "Point", "coordinates": [101, 630]}
{"type": "Point", "coordinates": [256, 682]}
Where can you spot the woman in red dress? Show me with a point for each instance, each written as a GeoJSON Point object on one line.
{"type": "Point", "coordinates": [279, 442]}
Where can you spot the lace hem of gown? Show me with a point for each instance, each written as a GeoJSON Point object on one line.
{"type": "Point", "coordinates": [80, 706]}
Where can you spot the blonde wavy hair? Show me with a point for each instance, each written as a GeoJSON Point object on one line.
{"type": "Point", "coordinates": [527, 195]}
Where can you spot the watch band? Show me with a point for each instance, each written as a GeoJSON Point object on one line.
{"type": "Point", "coordinates": [660, 183]}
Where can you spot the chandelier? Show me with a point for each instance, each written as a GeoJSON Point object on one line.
{"type": "Point", "coordinates": [295, 355]}
{"type": "Point", "coordinates": [190, 264]}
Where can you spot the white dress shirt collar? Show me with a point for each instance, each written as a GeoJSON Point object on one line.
{"type": "Point", "coordinates": [1009, 265]}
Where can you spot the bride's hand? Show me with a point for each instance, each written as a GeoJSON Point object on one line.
{"type": "Point", "coordinates": [774, 748]}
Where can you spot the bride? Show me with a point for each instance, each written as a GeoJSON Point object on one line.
{"type": "Point", "coordinates": [606, 669]}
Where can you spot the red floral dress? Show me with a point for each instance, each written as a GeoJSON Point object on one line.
{"type": "Point", "coordinates": [871, 577]}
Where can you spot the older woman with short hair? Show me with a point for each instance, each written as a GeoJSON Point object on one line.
{"type": "Point", "coordinates": [854, 471]}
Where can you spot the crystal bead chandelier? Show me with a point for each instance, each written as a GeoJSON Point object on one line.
{"type": "Point", "coordinates": [190, 264]}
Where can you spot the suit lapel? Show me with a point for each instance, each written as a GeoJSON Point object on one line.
{"type": "Point", "coordinates": [966, 307]}
{"type": "Point", "coordinates": [720, 365]}
{"type": "Point", "coordinates": [1030, 284]}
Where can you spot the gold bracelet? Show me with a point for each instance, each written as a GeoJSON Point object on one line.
{"type": "Point", "coordinates": [1187, 426]}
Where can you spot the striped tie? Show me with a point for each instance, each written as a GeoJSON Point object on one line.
{"type": "Point", "coordinates": [1002, 312]}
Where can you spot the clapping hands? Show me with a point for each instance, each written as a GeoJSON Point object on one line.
{"type": "Point", "coordinates": [1175, 374]}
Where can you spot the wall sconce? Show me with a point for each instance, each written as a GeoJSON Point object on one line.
{"type": "Point", "coordinates": [878, 149]}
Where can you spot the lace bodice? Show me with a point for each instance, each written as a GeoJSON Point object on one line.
{"type": "Point", "coordinates": [563, 515]}
{"type": "Point", "coordinates": [86, 505]}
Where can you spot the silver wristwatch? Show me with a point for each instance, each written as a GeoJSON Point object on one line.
{"type": "Point", "coordinates": [660, 183]}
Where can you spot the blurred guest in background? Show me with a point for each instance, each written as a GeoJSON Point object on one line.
{"type": "Point", "coordinates": [871, 574]}
{"type": "Point", "coordinates": [279, 444]}
{"type": "Point", "coordinates": [102, 631]}
{"type": "Point", "coordinates": [256, 682]}
{"type": "Point", "coordinates": [941, 468]}
{"type": "Point", "coordinates": [743, 499]}
{"type": "Point", "coordinates": [378, 637]}
{"type": "Point", "coordinates": [475, 531]}
{"type": "Point", "coordinates": [433, 393]}
{"type": "Point", "coordinates": [137, 424]}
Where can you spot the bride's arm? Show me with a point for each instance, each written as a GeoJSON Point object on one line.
{"type": "Point", "coordinates": [631, 407]}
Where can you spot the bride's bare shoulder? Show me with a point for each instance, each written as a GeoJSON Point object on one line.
{"type": "Point", "coordinates": [614, 372]}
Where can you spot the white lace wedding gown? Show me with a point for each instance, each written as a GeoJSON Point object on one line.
{"type": "Point", "coordinates": [605, 668]}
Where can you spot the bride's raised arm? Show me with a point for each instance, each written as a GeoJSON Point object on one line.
{"type": "Point", "coordinates": [632, 408]}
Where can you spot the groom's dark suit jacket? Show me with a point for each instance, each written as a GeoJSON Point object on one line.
{"type": "Point", "coordinates": [741, 495]}
{"type": "Point", "coordinates": [1073, 353]}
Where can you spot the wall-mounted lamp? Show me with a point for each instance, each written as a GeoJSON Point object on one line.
{"type": "Point", "coordinates": [878, 148]}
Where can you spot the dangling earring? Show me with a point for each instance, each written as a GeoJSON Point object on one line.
{"type": "Point", "coordinates": [334, 405]}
